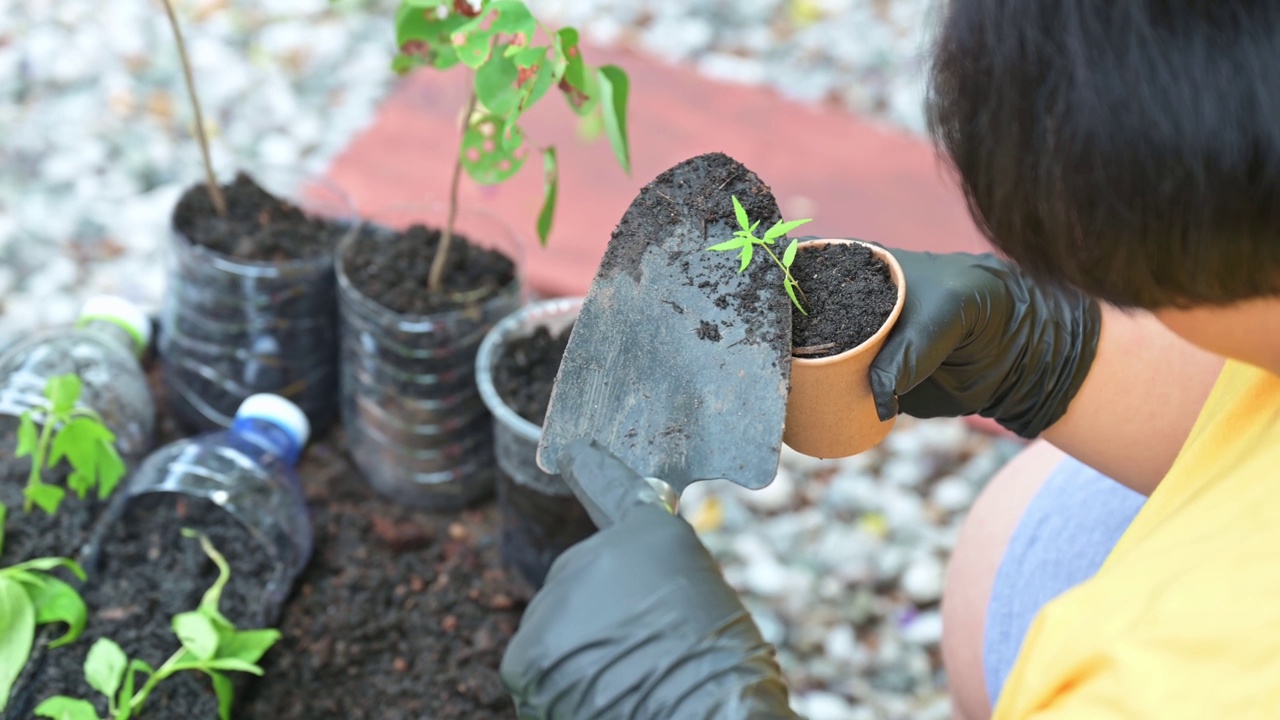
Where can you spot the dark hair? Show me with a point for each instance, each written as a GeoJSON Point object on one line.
{"type": "Point", "coordinates": [1130, 148]}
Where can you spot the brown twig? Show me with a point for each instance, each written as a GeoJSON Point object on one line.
{"type": "Point", "coordinates": [215, 192]}
{"type": "Point", "coordinates": [438, 263]}
{"type": "Point", "coordinates": [812, 349]}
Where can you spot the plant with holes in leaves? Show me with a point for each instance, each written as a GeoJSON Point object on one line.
{"type": "Point", "coordinates": [496, 41]}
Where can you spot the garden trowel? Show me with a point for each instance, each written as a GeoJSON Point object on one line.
{"type": "Point", "coordinates": [678, 364]}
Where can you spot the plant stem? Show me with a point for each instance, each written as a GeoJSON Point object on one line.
{"type": "Point", "coordinates": [161, 673]}
{"type": "Point", "coordinates": [215, 192]}
{"type": "Point", "coordinates": [438, 263]}
{"type": "Point", "coordinates": [37, 458]}
{"type": "Point", "coordinates": [786, 271]}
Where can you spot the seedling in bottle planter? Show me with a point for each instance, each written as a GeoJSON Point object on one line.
{"type": "Point", "coordinates": [745, 241]}
{"type": "Point", "coordinates": [67, 431]}
{"type": "Point", "coordinates": [30, 596]}
{"type": "Point", "coordinates": [211, 644]}
{"type": "Point", "coordinates": [495, 39]}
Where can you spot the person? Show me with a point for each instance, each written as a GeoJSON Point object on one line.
{"type": "Point", "coordinates": [1123, 158]}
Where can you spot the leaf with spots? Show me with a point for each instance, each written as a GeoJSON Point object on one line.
{"type": "Point", "coordinates": [485, 157]}
{"type": "Point", "coordinates": [551, 188]}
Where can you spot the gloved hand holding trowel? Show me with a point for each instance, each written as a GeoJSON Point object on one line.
{"type": "Point", "coordinates": [637, 621]}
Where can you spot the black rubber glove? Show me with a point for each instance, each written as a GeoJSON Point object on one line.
{"type": "Point", "coordinates": [637, 623]}
{"type": "Point", "coordinates": [978, 336]}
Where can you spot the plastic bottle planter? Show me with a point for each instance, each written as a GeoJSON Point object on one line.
{"type": "Point", "coordinates": [231, 328]}
{"type": "Point", "coordinates": [249, 472]}
{"type": "Point", "coordinates": [830, 410]}
{"type": "Point", "coordinates": [540, 516]}
{"type": "Point", "coordinates": [416, 426]}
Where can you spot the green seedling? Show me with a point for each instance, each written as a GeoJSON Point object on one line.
{"type": "Point", "coordinates": [30, 597]}
{"type": "Point", "coordinates": [745, 241]}
{"type": "Point", "coordinates": [510, 74]}
{"type": "Point", "coordinates": [211, 644]}
{"type": "Point", "coordinates": [59, 428]}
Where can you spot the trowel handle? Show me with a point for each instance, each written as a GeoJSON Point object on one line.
{"type": "Point", "coordinates": [606, 486]}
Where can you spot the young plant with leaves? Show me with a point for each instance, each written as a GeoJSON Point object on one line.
{"type": "Point", "coordinates": [496, 40]}
{"type": "Point", "coordinates": [211, 644]}
{"type": "Point", "coordinates": [745, 241]}
{"type": "Point", "coordinates": [30, 597]}
{"type": "Point", "coordinates": [59, 428]}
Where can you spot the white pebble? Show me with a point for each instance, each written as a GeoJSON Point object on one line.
{"type": "Point", "coordinates": [952, 494]}
{"type": "Point", "coordinates": [777, 495]}
{"type": "Point", "coordinates": [823, 705]}
{"type": "Point", "coordinates": [841, 643]}
{"type": "Point", "coordinates": [923, 580]}
{"type": "Point", "coordinates": [925, 629]}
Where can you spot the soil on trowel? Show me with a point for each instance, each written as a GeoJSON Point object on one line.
{"type": "Point", "coordinates": [701, 191]}
{"type": "Point", "coordinates": [258, 227]}
{"type": "Point", "coordinates": [848, 294]}
{"type": "Point", "coordinates": [391, 268]}
{"type": "Point", "coordinates": [144, 573]}
{"type": "Point", "coordinates": [526, 372]}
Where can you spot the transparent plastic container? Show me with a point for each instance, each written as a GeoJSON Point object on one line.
{"type": "Point", "coordinates": [103, 349]}
{"type": "Point", "coordinates": [249, 470]}
{"type": "Point", "coordinates": [416, 426]}
{"type": "Point", "coordinates": [540, 516]}
{"type": "Point", "coordinates": [232, 328]}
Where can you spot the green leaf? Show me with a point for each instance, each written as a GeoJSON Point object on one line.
{"type": "Point", "coordinates": [424, 4]}
{"type": "Point", "coordinates": [111, 469]}
{"type": "Point", "coordinates": [575, 72]}
{"type": "Point", "coordinates": [231, 664]}
{"type": "Point", "coordinates": [495, 85]}
{"type": "Point", "coordinates": [789, 255]}
{"type": "Point", "coordinates": [509, 17]}
{"type": "Point", "coordinates": [614, 89]}
{"type": "Point", "coordinates": [425, 39]}
{"type": "Point", "coordinates": [46, 497]}
{"type": "Point", "coordinates": [731, 244]}
{"type": "Point", "coordinates": [223, 688]}
{"type": "Point", "coordinates": [248, 645]}
{"type": "Point", "coordinates": [46, 564]}
{"type": "Point", "coordinates": [197, 634]}
{"type": "Point", "coordinates": [126, 688]}
{"type": "Point", "coordinates": [57, 602]}
{"type": "Point", "coordinates": [791, 290]}
{"type": "Point", "coordinates": [486, 159]}
{"type": "Point", "coordinates": [104, 667]}
{"type": "Point", "coordinates": [61, 707]}
{"type": "Point", "coordinates": [783, 228]}
{"type": "Point", "coordinates": [741, 214]}
{"type": "Point", "coordinates": [17, 632]}
{"type": "Point", "coordinates": [63, 391]}
{"type": "Point", "coordinates": [551, 188]}
{"type": "Point", "coordinates": [748, 251]}
{"type": "Point", "coordinates": [28, 436]}
{"type": "Point", "coordinates": [79, 441]}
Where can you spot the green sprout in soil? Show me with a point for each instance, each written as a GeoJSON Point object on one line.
{"type": "Point", "coordinates": [510, 73]}
{"type": "Point", "coordinates": [745, 241]}
{"type": "Point", "coordinates": [69, 431]}
{"type": "Point", "coordinates": [211, 644]}
{"type": "Point", "coordinates": [29, 597]}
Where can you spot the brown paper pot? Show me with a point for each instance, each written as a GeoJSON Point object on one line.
{"type": "Point", "coordinates": [830, 410]}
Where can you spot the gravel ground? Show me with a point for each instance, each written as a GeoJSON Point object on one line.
{"type": "Point", "coordinates": [841, 562]}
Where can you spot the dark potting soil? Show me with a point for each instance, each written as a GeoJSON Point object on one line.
{"type": "Point", "coordinates": [259, 226]}
{"type": "Point", "coordinates": [36, 534]}
{"type": "Point", "coordinates": [848, 294]}
{"type": "Point", "coordinates": [402, 614]}
{"type": "Point", "coordinates": [526, 371]}
{"type": "Point", "coordinates": [146, 573]}
{"type": "Point", "coordinates": [392, 270]}
{"type": "Point", "coordinates": [700, 190]}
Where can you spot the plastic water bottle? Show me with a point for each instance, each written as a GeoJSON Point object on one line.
{"type": "Point", "coordinates": [103, 348]}
{"type": "Point", "coordinates": [249, 470]}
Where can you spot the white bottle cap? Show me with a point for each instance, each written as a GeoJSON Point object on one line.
{"type": "Point", "coordinates": [122, 312]}
{"type": "Point", "coordinates": [280, 412]}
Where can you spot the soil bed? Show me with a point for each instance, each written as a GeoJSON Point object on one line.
{"type": "Point", "coordinates": [258, 227]}
{"type": "Point", "coordinates": [536, 526]}
{"type": "Point", "coordinates": [848, 294]}
{"type": "Point", "coordinates": [146, 573]}
{"type": "Point", "coordinates": [392, 269]}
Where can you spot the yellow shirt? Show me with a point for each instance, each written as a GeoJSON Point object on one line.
{"type": "Point", "coordinates": [1183, 619]}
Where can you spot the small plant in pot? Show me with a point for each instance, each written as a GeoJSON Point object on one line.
{"type": "Point", "coordinates": [847, 295]}
{"type": "Point", "coordinates": [417, 295]}
{"type": "Point", "coordinates": [251, 301]}
{"type": "Point", "coordinates": [516, 369]}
